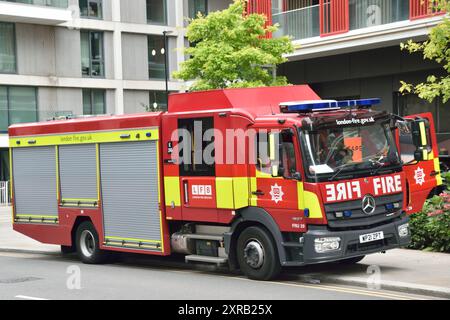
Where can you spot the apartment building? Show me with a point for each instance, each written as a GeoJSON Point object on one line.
{"type": "Point", "coordinates": [88, 57]}
{"type": "Point", "coordinates": [351, 49]}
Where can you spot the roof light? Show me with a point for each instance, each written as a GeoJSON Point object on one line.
{"type": "Point", "coordinates": [308, 106]}
{"type": "Point", "coordinates": [359, 103]}
{"type": "Point", "coordinates": [325, 105]}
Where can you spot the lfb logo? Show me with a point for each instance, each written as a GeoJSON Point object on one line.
{"type": "Point", "coordinates": [277, 193]}
{"type": "Point", "coordinates": [201, 190]}
{"type": "Point", "coordinates": [419, 176]}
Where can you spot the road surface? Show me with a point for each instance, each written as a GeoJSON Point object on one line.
{"type": "Point", "coordinates": [53, 277]}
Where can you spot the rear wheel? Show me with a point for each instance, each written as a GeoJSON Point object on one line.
{"type": "Point", "coordinates": [88, 247]}
{"type": "Point", "coordinates": [257, 254]}
{"type": "Point", "coordinates": [354, 260]}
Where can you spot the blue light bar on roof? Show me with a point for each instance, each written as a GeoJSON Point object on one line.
{"type": "Point", "coordinates": [359, 103]}
{"type": "Point", "coordinates": [325, 105]}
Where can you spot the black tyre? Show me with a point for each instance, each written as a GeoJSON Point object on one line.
{"type": "Point", "coordinates": [88, 247]}
{"type": "Point", "coordinates": [350, 261]}
{"type": "Point", "coordinates": [67, 250]}
{"type": "Point", "coordinates": [257, 255]}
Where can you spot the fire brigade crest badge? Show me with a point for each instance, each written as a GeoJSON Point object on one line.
{"type": "Point", "coordinates": [277, 193]}
{"type": "Point", "coordinates": [419, 176]}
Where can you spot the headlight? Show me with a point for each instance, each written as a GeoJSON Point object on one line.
{"type": "Point", "coordinates": [403, 230]}
{"type": "Point", "coordinates": [323, 245]}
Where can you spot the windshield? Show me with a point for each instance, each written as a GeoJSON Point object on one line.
{"type": "Point", "coordinates": [334, 151]}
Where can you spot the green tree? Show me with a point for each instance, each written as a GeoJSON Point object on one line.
{"type": "Point", "coordinates": [436, 48]}
{"type": "Point", "coordinates": [231, 51]}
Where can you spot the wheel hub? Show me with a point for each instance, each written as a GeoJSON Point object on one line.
{"type": "Point", "coordinates": [254, 254]}
{"type": "Point", "coordinates": [87, 243]}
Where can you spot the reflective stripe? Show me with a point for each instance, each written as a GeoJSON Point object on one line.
{"type": "Point", "coordinates": [437, 168]}
{"type": "Point", "coordinates": [224, 193]}
{"type": "Point", "coordinates": [300, 196]}
{"type": "Point", "coordinates": [172, 191]}
{"type": "Point", "coordinates": [253, 188]}
{"type": "Point", "coordinates": [313, 204]}
{"type": "Point", "coordinates": [423, 133]}
{"type": "Point", "coordinates": [232, 193]}
{"type": "Point", "coordinates": [86, 138]}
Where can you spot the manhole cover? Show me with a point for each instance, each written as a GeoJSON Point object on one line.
{"type": "Point", "coordinates": [18, 280]}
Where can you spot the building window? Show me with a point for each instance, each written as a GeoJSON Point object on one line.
{"type": "Point", "coordinates": [17, 105]}
{"type": "Point", "coordinates": [7, 48]}
{"type": "Point", "coordinates": [49, 3]}
{"type": "Point", "coordinates": [156, 57]}
{"type": "Point", "coordinates": [158, 100]}
{"type": "Point", "coordinates": [156, 12]}
{"type": "Point", "coordinates": [196, 7]}
{"type": "Point", "coordinates": [91, 9]}
{"type": "Point", "coordinates": [4, 165]}
{"type": "Point", "coordinates": [94, 102]}
{"type": "Point", "coordinates": [92, 57]}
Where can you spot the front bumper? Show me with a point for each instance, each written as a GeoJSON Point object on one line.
{"type": "Point", "coordinates": [350, 245]}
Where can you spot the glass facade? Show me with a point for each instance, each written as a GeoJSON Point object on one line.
{"type": "Point", "coordinates": [50, 3]}
{"type": "Point", "coordinates": [156, 57]}
{"type": "Point", "coordinates": [298, 19]}
{"type": "Point", "coordinates": [17, 105]}
{"type": "Point", "coordinates": [92, 56]}
{"type": "Point", "coordinates": [94, 102]}
{"type": "Point", "coordinates": [157, 12]}
{"type": "Point", "coordinates": [369, 13]}
{"type": "Point", "coordinates": [197, 6]}
{"type": "Point", "coordinates": [158, 101]}
{"type": "Point", "coordinates": [91, 9]}
{"type": "Point", "coordinates": [7, 48]}
{"type": "Point", "coordinates": [4, 165]}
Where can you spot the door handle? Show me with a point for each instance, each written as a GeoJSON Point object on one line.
{"type": "Point", "coordinates": [186, 192]}
{"type": "Point", "coordinates": [434, 173]}
{"type": "Point", "coordinates": [258, 193]}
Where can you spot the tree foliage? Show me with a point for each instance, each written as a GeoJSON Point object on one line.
{"type": "Point", "coordinates": [231, 51]}
{"type": "Point", "coordinates": [436, 48]}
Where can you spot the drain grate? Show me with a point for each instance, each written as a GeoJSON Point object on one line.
{"type": "Point", "coordinates": [18, 280]}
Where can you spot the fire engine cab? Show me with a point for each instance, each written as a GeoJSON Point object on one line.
{"type": "Point", "coordinates": [259, 179]}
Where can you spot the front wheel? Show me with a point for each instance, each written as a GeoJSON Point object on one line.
{"type": "Point", "coordinates": [88, 247]}
{"type": "Point", "coordinates": [257, 254]}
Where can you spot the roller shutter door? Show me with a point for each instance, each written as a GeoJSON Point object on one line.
{"type": "Point", "coordinates": [34, 174]}
{"type": "Point", "coordinates": [129, 182]}
{"type": "Point", "coordinates": [78, 172]}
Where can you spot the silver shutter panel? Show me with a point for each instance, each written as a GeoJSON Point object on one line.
{"type": "Point", "coordinates": [129, 181]}
{"type": "Point", "coordinates": [34, 172]}
{"type": "Point", "coordinates": [78, 172]}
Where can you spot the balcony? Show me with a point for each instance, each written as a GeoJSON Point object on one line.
{"type": "Point", "coordinates": [369, 13]}
{"type": "Point", "coordinates": [298, 23]}
{"type": "Point", "coordinates": [45, 12]}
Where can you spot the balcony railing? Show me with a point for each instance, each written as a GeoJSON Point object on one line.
{"type": "Point", "coordinates": [368, 13]}
{"type": "Point", "coordinates": [48, 3]}
{"type": "Point", "coordinates": [298, 23]}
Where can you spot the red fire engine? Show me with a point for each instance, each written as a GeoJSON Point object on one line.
{"type": "Point", "coordinates": [294, 180]}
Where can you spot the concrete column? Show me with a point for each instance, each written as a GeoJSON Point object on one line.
{"type": "Point", "coordinates": [180, 43]}
{"type": "Point", "coordinates": [117, 52]}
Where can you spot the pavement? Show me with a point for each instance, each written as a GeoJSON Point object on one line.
{"type": "Point", "coordinates": [406, 271]}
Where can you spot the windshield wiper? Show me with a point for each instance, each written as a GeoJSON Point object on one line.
{"type": "Point", "coordinates": [334, 176]}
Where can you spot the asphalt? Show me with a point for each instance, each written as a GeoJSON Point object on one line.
{"type": "Point", "coordinates": [402, 271]}
{"type": "Point", "coordinates": [27, 276]}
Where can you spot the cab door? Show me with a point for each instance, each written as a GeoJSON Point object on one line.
{"type": "Point", "coordinates": [422, 176]}
{"type": "Point", "coordinates": [276, 185]}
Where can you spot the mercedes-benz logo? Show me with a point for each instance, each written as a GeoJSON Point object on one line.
{"type": "Point", "coordinates": [368, 204]}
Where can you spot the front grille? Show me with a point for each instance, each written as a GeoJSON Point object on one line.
{"type": "Point", "coordinates": [359, 218]}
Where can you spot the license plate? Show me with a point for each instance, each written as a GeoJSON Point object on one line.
{"type": "Point", "coordinates": [371, 237]}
